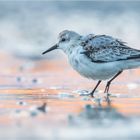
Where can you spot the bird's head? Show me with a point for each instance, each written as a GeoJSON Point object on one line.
{"type": "Point", "coordinates": [66, 39]}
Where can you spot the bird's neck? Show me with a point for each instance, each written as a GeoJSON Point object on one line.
{"type": "Point", "coordinates": [69, 49]}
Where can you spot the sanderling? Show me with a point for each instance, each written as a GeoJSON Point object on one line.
{"type": "Point", "coordinates": [98, 57]}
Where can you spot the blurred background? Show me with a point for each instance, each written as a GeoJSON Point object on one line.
{"type": "Point", "coordinates": [29, 27]}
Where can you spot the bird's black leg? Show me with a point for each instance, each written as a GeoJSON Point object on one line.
{"type": "Point", "coordinates": [92, 93]}
{"type": "Point", "coordinates": [109, 82]}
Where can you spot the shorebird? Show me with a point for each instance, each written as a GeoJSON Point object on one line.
{"type": "Point", "coordinates": [98, 57]}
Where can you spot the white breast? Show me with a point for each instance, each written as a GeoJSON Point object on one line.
{"type": "Point", "coordinates": [96, 71]}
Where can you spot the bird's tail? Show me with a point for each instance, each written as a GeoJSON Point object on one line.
{"type": "Point", "coordinates": [132, 64]}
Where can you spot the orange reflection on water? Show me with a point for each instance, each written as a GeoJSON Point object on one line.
{"type": "Point", "coordinates": [53, 77]}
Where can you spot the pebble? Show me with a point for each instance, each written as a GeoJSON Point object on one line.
{"type": "Point", "coordinates": [43, 108]}
{"type": "Point", "coordinates": [33, 111]}
{"type": "Point", "coordinates": [22, 103]}
{"type": "Point", "coordinates": [35, 80]}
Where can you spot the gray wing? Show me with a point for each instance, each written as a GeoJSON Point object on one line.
{"type": "Point", "coordinates": [102, 49]}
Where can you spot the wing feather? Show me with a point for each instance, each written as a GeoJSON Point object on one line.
{"type": "Point", "coordinates": [103, 48]}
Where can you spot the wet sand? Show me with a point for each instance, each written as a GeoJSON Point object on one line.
{"type": "Point", "coordinates": [26, 85]}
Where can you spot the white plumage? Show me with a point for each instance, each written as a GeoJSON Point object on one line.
{"type": "Point", "coordinates": [98, 57]}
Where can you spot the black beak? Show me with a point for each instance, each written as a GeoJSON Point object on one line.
{"type": "Point", "coordinates": [50, 49]}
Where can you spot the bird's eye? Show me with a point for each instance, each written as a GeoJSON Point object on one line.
{"type": "Point", "coordinates": [63, 39]}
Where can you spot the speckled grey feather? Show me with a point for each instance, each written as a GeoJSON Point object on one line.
{"type": "Point", "coordinates": [97, 57]}
{"type": "Point", "coordinates": [103, 48]}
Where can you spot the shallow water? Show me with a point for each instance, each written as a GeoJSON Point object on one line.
{"type": "Point", "coordinates": [43, 100]}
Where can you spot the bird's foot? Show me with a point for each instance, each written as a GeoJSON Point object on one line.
{"type": "Point", "coordinates": [91, 95]}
